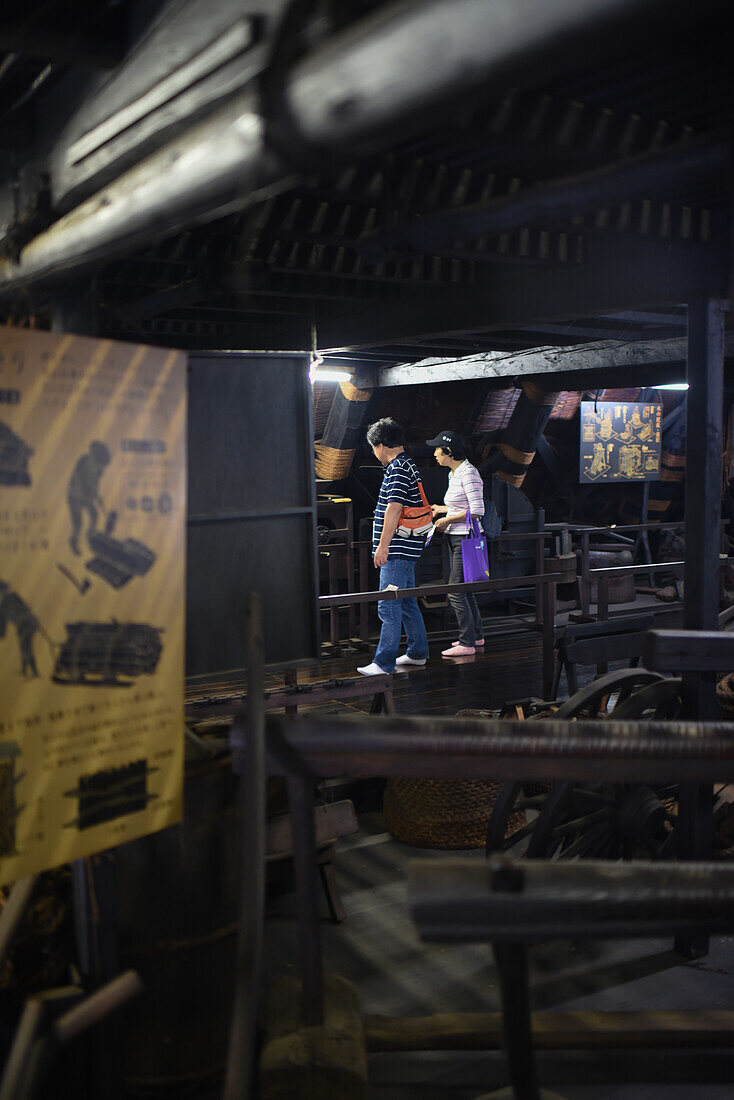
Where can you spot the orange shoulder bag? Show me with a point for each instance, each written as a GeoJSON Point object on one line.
{"type": "Point", "coordinates": [416, 519]}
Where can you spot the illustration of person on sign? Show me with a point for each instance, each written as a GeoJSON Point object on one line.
{"type": "Point", "coordinates": [15, 610]}
{"type": "Point", "coordinates": [82, 493]}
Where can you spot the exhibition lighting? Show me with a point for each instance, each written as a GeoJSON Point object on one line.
{"type": "Point", "coordinates": [316, 366]}
{"type": "Point", "coordinates": [672, 386]}
{"type": "Point", "coordinates": [329, 375]}
{"type": "Point", "coordinates": [317, 373]}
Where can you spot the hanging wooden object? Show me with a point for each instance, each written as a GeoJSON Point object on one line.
{"type": "Point", "coordinates": [520, 439]}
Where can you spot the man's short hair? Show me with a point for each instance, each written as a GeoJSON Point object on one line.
{"type": "Point", "coordinates": [386, 433]}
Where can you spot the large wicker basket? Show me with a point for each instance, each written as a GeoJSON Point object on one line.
{"type": "Point", "coordinates": [443, 813]}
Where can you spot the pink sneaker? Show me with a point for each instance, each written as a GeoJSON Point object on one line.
{"type": "Point", "coordinates": [477, 645]}
{"type": "Point", "coordinates": [459, 651]}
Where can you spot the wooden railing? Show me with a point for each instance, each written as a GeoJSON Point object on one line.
{"type": "Point", "coordinates": [544, 584]}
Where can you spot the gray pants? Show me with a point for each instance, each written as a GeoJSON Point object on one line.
{"type": "Point", "coordinates": [465, 607]}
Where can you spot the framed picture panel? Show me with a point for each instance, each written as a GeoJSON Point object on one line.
{"type": "Point", "coordinates": [620, 441]}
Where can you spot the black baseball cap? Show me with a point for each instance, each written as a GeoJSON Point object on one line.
{"type": "Point", "coordinates": [452, 441]}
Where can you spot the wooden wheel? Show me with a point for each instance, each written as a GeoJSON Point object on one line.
{"type": "Point", "coordinates": [513, 817]}
{"type": "Point", "coordinates": [661, 699]}
{"type": "Point", "coordinates": [608, 821]}
{"type": "Point", "coordinates": [602, 821]}
{"type": "Point", "coordinates": [603, 696]}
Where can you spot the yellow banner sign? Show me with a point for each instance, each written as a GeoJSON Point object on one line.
{"type": "Point", "coordinates": [92, 530]}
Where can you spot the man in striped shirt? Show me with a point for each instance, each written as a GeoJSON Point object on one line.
{"type": "Point", "coordinates": [394, 553]}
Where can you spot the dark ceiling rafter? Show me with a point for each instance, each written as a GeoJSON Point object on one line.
{"type": "Point", "coordinates": [618, 276]}
{"type": "Point", "coordinates": [400, 182]}
{"type": "Point", "coordinates": [680, 168]}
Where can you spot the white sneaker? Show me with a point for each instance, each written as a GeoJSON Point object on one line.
{"type": "Point", "coordinates": [406, 660]}
{"type": "Point", "coordinates": [372, 670]}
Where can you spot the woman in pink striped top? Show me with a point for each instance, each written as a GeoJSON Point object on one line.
{"type": "Point", "coordinates": [465, 493]}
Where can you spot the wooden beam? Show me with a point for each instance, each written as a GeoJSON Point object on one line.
{"type": "Point", "coordinates": [689, 650]}
{"type": "Point", "coordinates": [599, 355]}
{"type": "Point", "coordinates": [553, 1030]}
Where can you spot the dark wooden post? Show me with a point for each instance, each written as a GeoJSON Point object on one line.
{"type": "Point", "coordinates": [95, 916]}
{"type": "Point", "coordinates": [703, 485]}
{"type": "Point", "coordinates": [539, 563]}
{"type": "Point", "coordinates": [330, 556]}
{"type": "Point", "coordinates": [549, 636]}
{"type": "Point", "coordinates": [585, 595]}
{"type": "Point", "coordinates": [351, 578]}
{"type": "Point", "coordinates": [352, 610]}
{"type": "Point", "coordinates": [333, 587]}
{"type": "Point", "coordinates": [602, 614]}
{"type": "Point", "coordinates": [602, 598]}
{"type": "Point", "coordinates": [290, 679]}
{"type": "Point", "coordinates": [511, 962]}
{"type": "Point", "coordinates": [241, 1048]}
{"type": "Point", "coordinates": [305, 860]}
{"type": "Point", "coordinates": [364, 610]}
{"type": "Point", "coordinates": [701, 573]}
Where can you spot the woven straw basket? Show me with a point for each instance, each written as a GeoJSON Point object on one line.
{"type": "Point", "coordinates": [443, 813]}
{"type": "Point", "coordinates": [725, 694]}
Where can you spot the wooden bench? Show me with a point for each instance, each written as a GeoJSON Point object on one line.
{"type": "Point", "coordinates": [330, 822]}
{"type": "Point", "coordinates": [597, 644]}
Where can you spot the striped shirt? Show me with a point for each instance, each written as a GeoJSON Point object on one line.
{"type": "Point", "coordinates": [465, 491]}
{"type": "Point", "coordinates": [399, 485]}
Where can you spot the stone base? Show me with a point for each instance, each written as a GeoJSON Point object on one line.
{"type": "Point", "coordinates": [325, 1062]}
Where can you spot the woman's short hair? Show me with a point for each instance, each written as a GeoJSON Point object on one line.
{"type": "Point", "coordinates": [454, 452]}
{"type": "Point", "coordinates": [385, 433]}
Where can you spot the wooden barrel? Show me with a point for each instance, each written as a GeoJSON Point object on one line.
{"type": "Point", "coordinates": [621, 589]}
{"type": "Point", "coordinates": [567, 564]}
{"type": "Point", "coordinates": [178, 899]}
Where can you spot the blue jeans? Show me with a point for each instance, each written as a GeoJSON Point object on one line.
{"type": "Point", "coordinates": [395, 614]}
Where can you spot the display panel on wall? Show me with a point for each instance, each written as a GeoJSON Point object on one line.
{"type": "Point", "coordinates": [92, 530]}
{"type": "Point", "coordinates": [252, 514]}
{"type": "Point", "coordinates": [620, 441]}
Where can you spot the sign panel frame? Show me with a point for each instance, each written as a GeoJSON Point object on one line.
{"type": "Point", "coordinates": [92, 609]}
{"type": "Point", "coordinates": [619, 441]}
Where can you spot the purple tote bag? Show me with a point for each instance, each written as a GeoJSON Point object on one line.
{"type": "Point", "coordinates": [474, 552]}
